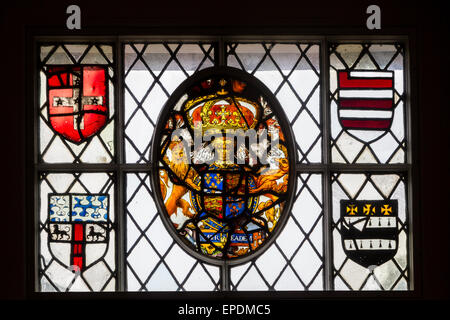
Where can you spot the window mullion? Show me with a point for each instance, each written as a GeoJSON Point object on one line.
{"type": "Point", "coordinates": [220, 57]}
{"type": "Point", "coordinates": [225, 284]}
{"type": "Point", "coordinates": [120, 178]}
{"type": "Point", "coordinates": [220, 54]}
{"type": "Point", "coordinates": [326, 157]}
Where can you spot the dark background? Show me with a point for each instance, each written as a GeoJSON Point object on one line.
{"type": "Point", "coordinates": [425, 23]}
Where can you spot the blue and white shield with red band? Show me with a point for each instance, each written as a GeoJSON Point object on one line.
{"type": "Point", "coordinates": [78, 228]}
{"type": "Point", "coordinates": [365, 102]}
{"type": "Point", "coordinates": [369, 230]}
{"type": "Point", "coordinates": [77, 101]}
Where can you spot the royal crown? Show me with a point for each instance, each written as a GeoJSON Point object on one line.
{"type": "Point", "coordinates": [222, 111]}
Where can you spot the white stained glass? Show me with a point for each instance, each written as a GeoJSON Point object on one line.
{"type": "Point", "coordinates": [291, 72]}
{"type": "Point", "coordinates": [294, 261]}
{"type": "Point", "coordinates": [154, 261]}
{"type": "Point", "coordinates": [152, 73]}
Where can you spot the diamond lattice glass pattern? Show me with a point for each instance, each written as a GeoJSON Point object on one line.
{"type": "Point", "coordinates": [154, 261]}
{"type": "Point", "coordinates": [76, 113]}
{"type": "Point", "coordinates": [152, 72]}
{"type": "Point", "coordinates": [77, 232]}
{"type": "Point", "coordinates": [295, 261]}
{"type": "Point", "coordinates": [367, 102]}
{"type": "Point", "coordinates": [371, 230]}
{"type": "Point", "coordinates": [292, 72]}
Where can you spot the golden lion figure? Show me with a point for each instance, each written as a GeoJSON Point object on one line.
{"type": "Point", "coordinates": [269, 180]}
{"type": "Point", "coordinates": [272, 214]}
{"type": "Point", "coordinates": [180, 167]}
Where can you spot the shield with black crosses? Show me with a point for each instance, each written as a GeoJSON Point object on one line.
{"type": "Point", "coordinates": [77, 100]}
{"type": "Point", "coordinates": [369, 230]}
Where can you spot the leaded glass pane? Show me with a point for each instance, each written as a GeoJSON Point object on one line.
{"type": "Point", "coordinates": [77, 232]}
{"type": "Point", "coordinates": [225, 161]}
{"type": "Point", "coordinates": [295, 261]}
{"type": "Point", "coordinates": [364, 239]}
{"type": "Point", "coordinates": [367, 103]}
{"type": "Point", "coordinates": [152, 72]}
{"type": "Point", "coordinates": [292, 72]}
{"type": "Point", "coordinates": [154, 261]}
{"type": "Point", "coordinates": [370, 231]}
{"type": "Point", "coordinates": [76, 107]}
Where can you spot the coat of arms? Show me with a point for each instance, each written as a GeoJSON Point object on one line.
{"type": "Point", "coordinates": [369, 230]}
{"type": "Point", "coordinates": [77, 101]}
{"type": "Point", "coordinates": [76, 223]}
{"type": "Point", "coordinates": [365, 101]}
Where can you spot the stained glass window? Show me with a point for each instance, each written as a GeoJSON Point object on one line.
{"type": "Point", "coordinates": [155, 262]}
{"type": "Point", "coordinates": [152, 72]}
{"type": "Point", "coordinates": [222, 165]}
{"type": "Point", "coordinates": [367, 103]}
{"type": "Point", "coordinates": [370, 233]}
{"type": "Point", "coordinates": [292, 72]}
{"type": "Point", "coordinates": [76, 86]}
{"type": "Point", "coordinates": [77, 232]}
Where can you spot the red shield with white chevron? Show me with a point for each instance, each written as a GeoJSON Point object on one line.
{"type": "Point", "coordinates": [365, 102]}
{"type": "Point", "coordinates": [78, 101]}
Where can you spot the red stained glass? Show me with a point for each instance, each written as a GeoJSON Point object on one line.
{"type": "Point", "coordinates": [366, 99]}
{"type": "Point", "coordinates": [366, 103]}
{"type": "Point", "coordinates": [78, 232]}
{"type": "Point", "coordinates": [78, 106]}
{"type": "Point", "coordinates": [355, 82]}
{"type": "Point", "coordinates": [366, 124]}
{"type": "Point", "coordinates": [78, 261]}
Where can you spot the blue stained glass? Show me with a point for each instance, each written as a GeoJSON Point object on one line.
{"type": "Point", "coordinates": [89, 208]}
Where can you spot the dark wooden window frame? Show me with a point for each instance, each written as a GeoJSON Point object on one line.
{"type": "Point", "coordinates": [326, 168]}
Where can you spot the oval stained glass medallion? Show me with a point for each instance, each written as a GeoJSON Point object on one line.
{"type": "Point", "coordinates": [223, 165]}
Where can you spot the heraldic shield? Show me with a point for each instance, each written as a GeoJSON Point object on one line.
{"type": "Point", "coordinates": [365, 102]}
{"type": "Point", "coordinates": [223, 165]}
{"type": "Point", "coordinates": [77, 101]}
{"type": "Point", "coordinates": [369, 230]}
{"type": "Point", "coordinates": [78, 228]}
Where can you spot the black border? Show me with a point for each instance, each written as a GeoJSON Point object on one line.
{"type": "Point", "coordinates": [423, 23]}
{"type": "Point", "coordinates": [415, 292]}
